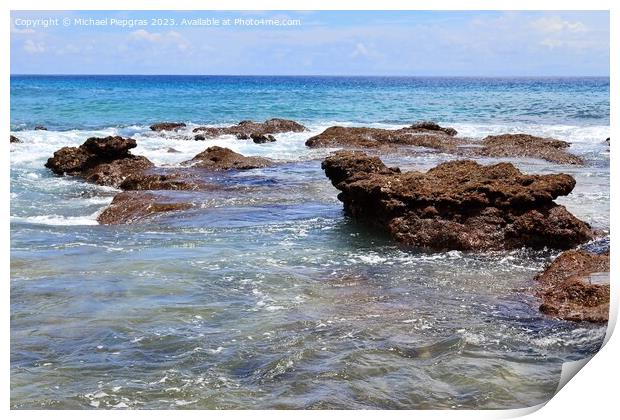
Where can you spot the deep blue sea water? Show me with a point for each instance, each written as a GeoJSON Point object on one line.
{"type": "Point", "coordinates": [267, 296]}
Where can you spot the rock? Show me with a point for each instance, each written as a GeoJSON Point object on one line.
{"type": "Point", "coordinates": [15, 139]}
{"type": "Point", "coordinates": [133, 206]}
{"type": "Point", "coordinates": [104, 161]}
{"type": "Point", "coordinates": [40, 128]}
{"type": "Point", "coordinates": [525, 145]}
{"type": "Point", "coordinates": [167, 126]}
{"type": "Point", "coordinates": [199, 137]}
{"type": "Point", "coordinates": [246, 129]}
{"type": "Point", "coordinates": [458, 205]}
{"type": "Point", "coordinates": [433, 126]}
{"type": "Point", "coordinates": [172, 150]}
{"type": "Point", "coordinates": [607, 140]}
{"type": "Point", "coordinates": [567, 291]}
{"type": "Point", "coordinates": [262, 138]}
{"type": "Point", "coordinates": [220, 158]}
{"type": "Point", "coordinates": [164, 181]}
{"type": "Point", "coordinates": [426, 134]}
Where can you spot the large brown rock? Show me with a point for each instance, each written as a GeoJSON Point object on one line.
{"type": "Point", "coordinates": [167, 126]}
{"type": "Point", "coordinates": [133, 206]}
{"type": "Point", "coordinates": [423, 134]}
{"type": "Point", "coordinates": [246, 130]}
{"type": "Point", "coordinates": [525, 145]}
{"type": "Point", "coordinates": [220, 158]}
{"type": "Point", "coordinates": [567, 291]}
{"type": "Point", "coordinates": [458, 205]}
{"type": "Point", "coordinates": [104, 161]}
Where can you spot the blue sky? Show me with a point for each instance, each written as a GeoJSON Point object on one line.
{"type": "Point", "coordinates": [413, 43]}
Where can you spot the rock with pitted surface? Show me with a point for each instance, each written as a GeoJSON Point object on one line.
{"type": "Point", "coordinates": [525, 145]}
{"type": "Point", "coordinates": [164, 180]}
{"type": "Point", "coordinates": [575, 287]}
{"type": "Point", "coordinates": [167, 126]}
{"type": "Point", "coordinates": [458, 205]}
{"type": "Point", "coordinates": [424, 134]}
{"type": "Point", "coordinates": [245, 130]}
{"type": "Point", "coordinates": [104, 161]}
{"type": "Point", "coordinates": [134, 206]}
{"type": "Point", "coordinates": [220, 158]}
{"type": "Point", "coordinates": [15, 139]}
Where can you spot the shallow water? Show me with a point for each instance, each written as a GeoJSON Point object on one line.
{"type": "Point", "coordinates": [267, 296]}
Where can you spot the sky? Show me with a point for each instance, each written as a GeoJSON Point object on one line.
{"type": "Point", "coordinates": [398, 43]}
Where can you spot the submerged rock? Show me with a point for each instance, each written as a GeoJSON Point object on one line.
{"type": "Point", "coordinates": [220, 158]}
{"type": "Point", "coordinates": [15, 139]}
{"type": "Point", "coordinates": [175, 180]}
{"type": "Point", "coordinates": [568, 291]}
{"type": "Point", "coordinates": [245, 130]}
{"type": "Point", "coordinates": [132, 206]}
{"type": "Point", "coordinates": [525, 145]}
{"type": "Point", "coordinates": [40, 128]}
{"type": "Point", "coordinates": [458, 205]}
{"type": "Point", "coordinates": [104, 161]}
{"type": "Point", "coordinates": [262, 138]}
{"type": "Point", "coordinates": [167, 126]}
{"type": "Point", "coordinates": [423, 134]}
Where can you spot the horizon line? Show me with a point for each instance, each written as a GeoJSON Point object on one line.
{"type": "Point", "coordinates": [312, 75]}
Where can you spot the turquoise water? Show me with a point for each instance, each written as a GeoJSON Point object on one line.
{"type": "Point", "coordinates": [266, 295]}
{"type": "Point", "coordinates": [102, 101]}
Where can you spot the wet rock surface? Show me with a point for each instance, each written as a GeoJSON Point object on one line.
{"type": "Point", "coordinates": [525, 145]}
{"type": "Point", "coordinates": [245, 130]}
{"type": "Point", "coordinates": [423, 134]}
{"type": "Point", "coordinates": [262, 138]}
{"type": "Point", "coordinates": [165, 180]}
{"type": "Point", "coordinates": [458, 205]}
{"type": "Point", "coordinates": [104, 161]}
{"type": "Point", "coordinates": [40, 128]}
{"type": "Point", "coordinates": [133, 206]}
{"type": "Point", "coordinates": [431, 135]}
{"type": "Point", "coordinates": [220, 158]}
{"type": "Point", "coordinates": [167, 126]}
{"type": "Point", "coordinates": [567, 290]}
{"type": "Point", "coordinates": [14, 139]}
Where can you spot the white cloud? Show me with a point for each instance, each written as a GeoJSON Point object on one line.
{"type": "Point", "coordinates": [32, 47]}
{"type": "Point", "coordinates": [555, 24]}
{"type": "Point", "coordinates": [360, 51]}
{"type": "Point", "coordinates": [166, 39]}
{"type": "Point", "coordinates": [143, 35]}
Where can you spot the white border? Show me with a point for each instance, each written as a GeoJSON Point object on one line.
{"type": "Point", "coordinates": [592, 394]}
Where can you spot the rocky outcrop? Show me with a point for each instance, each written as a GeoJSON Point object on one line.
{"type": "Point", "coordinates": [262, 138]}
{"type": "Point", "coordinates": [15, 139]}
{"type": "Point", "coordinates": [245, 130]}
{"type": "Point", "coordinates": [525, 145]}
{"type": "Point", "coordinates": [168, 180]}
{"type": "Point", "coordinates": [167, 126]}
{"type": "Point", "coordinates": [423, 134]}
{"type": "Point", "coordinates": [220, 158]}
{"type": "Point", "coordinates": [431, 135]}
{"type": "Point", "coordinates": [40, 128]}
{"type": "Point", "coordinates": [104, 161]}
{"type": "Point", "coordinates": [132, 206]}
{"type": "Point", "coordinates": [458, 205]}
{"type": "Point", "coordinates": [571, 287]}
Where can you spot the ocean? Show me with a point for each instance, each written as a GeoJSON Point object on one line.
{"type": "Point", "coordinates": [268, 296]}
